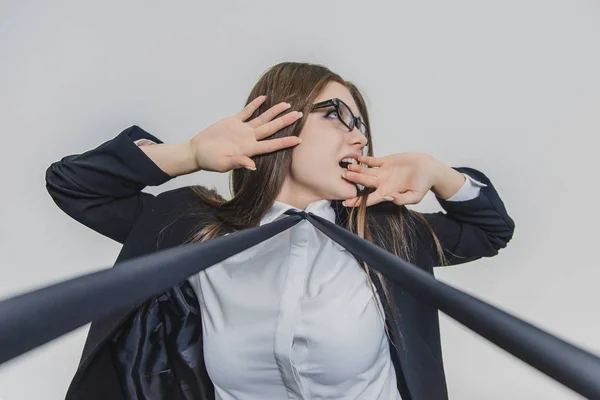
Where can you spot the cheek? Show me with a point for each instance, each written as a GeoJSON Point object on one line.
{"type": "Point", "coordinates": [319, 148]}
{"type": "Point", "coordinates": [315, 160]}
{"type": "Point", "coordinates": [309, 160]}
{"type": "Point", "coordinates": [316, 169]}
{"type": "Point", "coordinates": [321, 135]}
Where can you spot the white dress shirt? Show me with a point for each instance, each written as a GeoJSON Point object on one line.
{"type": "Point", "coordinates": [294, 317]}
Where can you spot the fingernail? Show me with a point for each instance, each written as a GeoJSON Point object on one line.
{"type": "Point", "coordinates": [250, 168]}
{"type": "Point", "coordinates": [299, 140]}
{"type": "Point", "coordinates": [300, 114]}
{"type": "Point", "coordinates": [388, 198]}
{"type": "Point", "coordinates": [344, 174]}
{"type": "Point", "coordinates": [344, 204]}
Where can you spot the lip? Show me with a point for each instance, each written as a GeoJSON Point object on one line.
{"type": "Point", "coordinates": [351, 155]}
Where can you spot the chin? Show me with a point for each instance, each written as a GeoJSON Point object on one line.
{"type": "Point", "coordinates": [344, 191]}
{"type": "Point", "coordinates": [333, 188]}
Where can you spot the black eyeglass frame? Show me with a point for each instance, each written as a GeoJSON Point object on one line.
{"type": "Point", "coordinates": [355, 122]}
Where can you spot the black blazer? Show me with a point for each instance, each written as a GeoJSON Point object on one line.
{"type": "Point", "coordinates": [153, 350]}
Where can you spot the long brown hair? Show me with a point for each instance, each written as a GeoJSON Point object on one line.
{"type": "Point", "coordinates": [254, 192]}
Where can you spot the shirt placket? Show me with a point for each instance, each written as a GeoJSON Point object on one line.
{"type": "Point", "coordinates": [289, 310]}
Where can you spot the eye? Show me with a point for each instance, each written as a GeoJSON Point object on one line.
{"type": "Point", "coordinates": [332, 114]}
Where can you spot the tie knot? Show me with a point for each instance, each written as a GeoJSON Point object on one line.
{"type": "Point", "coordinates": [302, 214]}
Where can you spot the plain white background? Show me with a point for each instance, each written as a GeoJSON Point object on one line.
{"type": "Point", "coordinates": [509, 87]}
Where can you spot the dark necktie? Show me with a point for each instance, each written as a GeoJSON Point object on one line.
{"type": "Point", "coordinates": [37, 317]}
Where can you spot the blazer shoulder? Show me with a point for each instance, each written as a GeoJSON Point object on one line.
{"type": "Point", "coordinates": [185, 199]}
{"type": "Point", "coordinates": [171, 220]}
{"type": "Point", "coordinates": [188, 205]}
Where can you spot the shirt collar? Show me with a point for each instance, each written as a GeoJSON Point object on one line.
{"type": "Point", "coordinates": [322, 208]}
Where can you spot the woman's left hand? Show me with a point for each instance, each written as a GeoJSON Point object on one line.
{"type": "Point", "coordinates": [403, 178]}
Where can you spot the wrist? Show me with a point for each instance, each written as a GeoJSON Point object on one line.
{"type": "Point", "coordinates": [189, 156]}
{"type": "Point", "coordinates": [447, 181]}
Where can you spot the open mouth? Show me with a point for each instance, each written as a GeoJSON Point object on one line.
{"type": "Point", "coordinates": [347, 161]}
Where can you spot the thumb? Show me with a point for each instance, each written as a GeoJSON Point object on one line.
{"type": "Point", "coordinates": [245, 162]}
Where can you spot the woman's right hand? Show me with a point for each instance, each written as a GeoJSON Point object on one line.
{"type": "Point", "coordinates": [228, 144]}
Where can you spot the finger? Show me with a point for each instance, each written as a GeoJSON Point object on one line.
{"type": "Point", "coordinates": [276, 125]}
{"type": "Point", "coordinates": [365, 180]}
{"type": "Point", "coordinates": [409, 197]}
{"type": "Point", "coordinates": [372, 199]}
{"type": "Point", "coordinates": [269, 146]}
{"type": "Point", "coordinates": [371, 161]}
{"type": "Point", "coordinates": [375, 198]}
{"type": "Point", "coordinates": [243, 162]}
{"type": "Point", "coordinates": [363, 170]}
{"type": "Point", "coordinates": [251, 107]}
{"type": "Point", "coordinates": [269, 115]}
{"type": "Point", "coordinates": [351, 202]}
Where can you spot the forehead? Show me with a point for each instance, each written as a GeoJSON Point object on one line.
{"type": "Point", "coordinates": [337, 90]}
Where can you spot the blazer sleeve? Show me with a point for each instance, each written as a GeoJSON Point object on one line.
{"type": "Point", "coordinates": [469, 229]}
{"type": "Point", "coordinates": [102, 188]}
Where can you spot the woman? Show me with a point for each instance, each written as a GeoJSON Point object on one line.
{"type": "Point", "coordinates": [295, 316]}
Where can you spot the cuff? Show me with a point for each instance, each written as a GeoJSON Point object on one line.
{"type": "Point", "coordinates": [127, 148]}
{"type": "Point", "coordinates": [144, 142]}
{"type": "Point", "coordinates": [469, 190]}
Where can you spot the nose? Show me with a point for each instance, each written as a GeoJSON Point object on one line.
{"type": "Point", "coordinates": [357, 139]}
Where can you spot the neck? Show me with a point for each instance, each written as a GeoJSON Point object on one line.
{"type": "Point", "coordinates": [296, 196]}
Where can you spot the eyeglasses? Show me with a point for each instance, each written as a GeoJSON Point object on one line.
{"type": "Point", "coordinates": [344, 115]}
